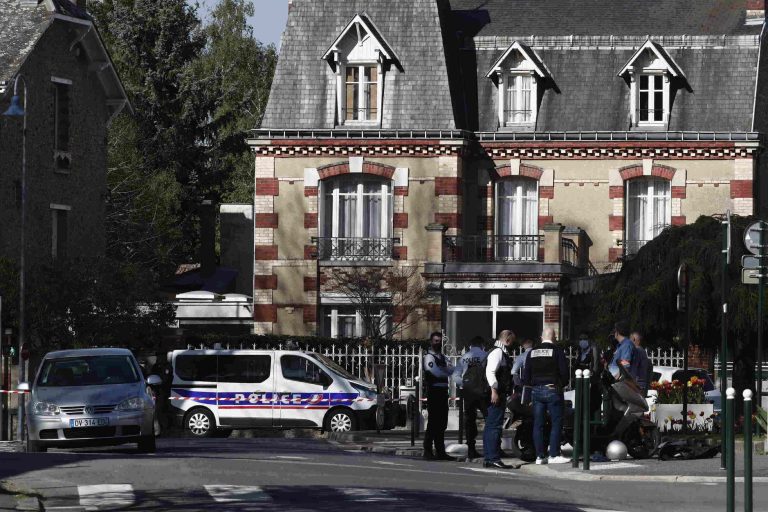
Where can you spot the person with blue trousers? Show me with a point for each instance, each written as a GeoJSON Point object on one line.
{"type": "Point", "coordinates": [546, 370]}
{"type": "Point", "coordinates": [498, 373]}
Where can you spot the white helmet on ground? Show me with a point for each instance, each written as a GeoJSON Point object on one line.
{"type": "Point", "coordinates": [616, 450]}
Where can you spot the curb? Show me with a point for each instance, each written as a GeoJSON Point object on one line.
{"type": "Point", "coordinates": [591, 477]}
{"type": "Point", "coordinates": [27, 499]}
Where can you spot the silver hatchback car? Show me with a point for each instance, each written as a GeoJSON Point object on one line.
{"type": "Point", "coordinates": [90, 397]}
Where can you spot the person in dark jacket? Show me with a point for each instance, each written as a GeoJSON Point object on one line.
{"type": "Point", "coordinates": [546, 370]}
{"type": "Point", "coordinates": [437, 371]}
{"type": "Point", "coordinates": [641, 366]}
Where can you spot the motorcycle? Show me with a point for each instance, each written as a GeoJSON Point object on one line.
{"type": "Point", "coordinates": [617, 409]}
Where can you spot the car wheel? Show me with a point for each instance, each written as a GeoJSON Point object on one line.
{"type": "Point", "coordinates": [340, 420]}
{"type": "Point", "coordinates": [146, 444]}
{"type": "Point", "coordinates": [200, 423]}
{"type": "Point", "coordinates": [35, 447]}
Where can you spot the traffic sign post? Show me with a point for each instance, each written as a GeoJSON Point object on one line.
{"type": "Point", "coordinates": [724, 323]}
{"type": "Point", "coordinates": [755, 240]}
{"type": "Point", "coordinates": [683, 284]}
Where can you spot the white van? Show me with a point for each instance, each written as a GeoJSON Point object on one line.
{"type": "Point", "coordinates": [227, 389]}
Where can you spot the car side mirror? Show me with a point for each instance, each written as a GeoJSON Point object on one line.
{"type": "Point", "coordinates": [23, 386]}
{"type": "Point", "coordinates": [154, 380]}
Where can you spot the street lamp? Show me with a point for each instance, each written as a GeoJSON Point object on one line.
{"type": "Point", "coordinates": [17, 110]}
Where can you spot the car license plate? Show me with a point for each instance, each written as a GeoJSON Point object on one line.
{"type": "Point", "coordinates": [89, 422]}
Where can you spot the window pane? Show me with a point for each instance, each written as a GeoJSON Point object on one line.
{"type": "Point", "coordinates": [248, 369]}
{"type": "Point", "coordinates": [301, 369]}
{"type": "Point", "coordinates": [469, 299]}
{"type": "Point", "coordinates": [643, 82]}
{"type": "Point", "coordinates": [88, 371]}
{"type": "Point", "coordinates": [352, 92]}
{"type": "Point", "coordinates": [371, 98]}
{"type": "Point", "coordinates": [658, 106]}
{"type": "Point", "coordinates": [372, 213]}
{"type": "Point", "coordinates": [520, 299]}
{"type": "Point", "coordinates": [196, 368]}
{"type": "Point", "coordinates": [371, 73]}
{"type": "Point", "coordinates": [658, 81]}
{"type": "Point", "coordinates": [61, 99]}
{"type": "Point", "coordinates": [644, 115]}
{"type": "Point", "coordinates": [347, 215]}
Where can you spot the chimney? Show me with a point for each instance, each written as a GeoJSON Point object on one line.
{"type": "Point", "coordinates": [755, 12]}
{"type": "Point", "coordinates": [207, 238]}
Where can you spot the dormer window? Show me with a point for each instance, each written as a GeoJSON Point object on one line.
{"type": "Point", "coordinates": [519, 75]}
{"type": "Point", "coordinates": [650, 74]}
{"type": "Point", "coordinates": [360, 57]}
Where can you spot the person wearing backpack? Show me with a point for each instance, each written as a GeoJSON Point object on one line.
{"type": "Point", "coordinates": [437, 371]}
{"type": "Point", "coordinates": [498, 374]}
{"type": "Point", "coordinates": [471, 377]}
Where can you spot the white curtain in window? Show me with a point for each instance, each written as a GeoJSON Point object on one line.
{"type": "Point", "coordinates": [517, 216]}
{"type": "Point", "coordinates": [648, 210]}
{"type": "Point", "coordinates": [357, 206]}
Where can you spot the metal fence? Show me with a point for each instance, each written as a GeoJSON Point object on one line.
{"type": "Point", "coordinates": [402, 363]}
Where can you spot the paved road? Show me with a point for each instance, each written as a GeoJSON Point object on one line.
{"type": "Point", "coordinates": [314, 475]}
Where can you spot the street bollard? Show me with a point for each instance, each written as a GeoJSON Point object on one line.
{"type": "Point", "coordinates": [747, 450]}
{"type": "Point", "coordinates": [461, 416]}
{"type": "Point", "coordinates": [585, 390]}
{"type": "Point", "coordinates": [413, 409]}
{"type": "Point", "coordinates": [730, 447]}
{"type": "Point", "coordinates": [577, 421]}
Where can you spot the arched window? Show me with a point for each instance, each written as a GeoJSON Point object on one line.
{"type": "Point", "coordinates": [517, 219]}
{"type": "Point", "coordinates": [648, 211]}
{"type": "Point", "coordinates": [357, 217]}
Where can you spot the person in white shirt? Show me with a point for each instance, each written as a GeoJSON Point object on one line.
{"type": "Point", "coordinates": [499, 377]}
{"type": "Point", "coordinates": [471, 399]}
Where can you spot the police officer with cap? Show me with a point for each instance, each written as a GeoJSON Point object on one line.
{"type": "Point", "coordinates": [437, 370]}
{"type": "Point", "coordinates": [472, 401]}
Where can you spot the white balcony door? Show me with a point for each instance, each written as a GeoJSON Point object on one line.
{"type": "Point", "coordinates": [649, 211]}
{"type": "Point", "coordinates": [517, 219]}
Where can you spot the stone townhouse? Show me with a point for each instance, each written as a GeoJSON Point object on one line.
{"type": "Point", "coordinates": [72, 92]}
{"type": "Point", "coordinates": [508, 149]}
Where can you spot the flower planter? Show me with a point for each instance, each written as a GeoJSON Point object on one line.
{"type": "Point", "coordinates": [669, 417]}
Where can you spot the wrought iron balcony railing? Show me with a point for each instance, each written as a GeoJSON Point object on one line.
{"type": "Point", "coordinates": [631, 247]}
{"type": "Point", "coordinates": [487, 248]}
{"type": "Point", "coordinates": [353, 249]}
{"type": "Point", "coordinates": [569, 253]}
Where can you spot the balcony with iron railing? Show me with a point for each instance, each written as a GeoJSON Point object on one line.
{"type": "Point", "coordinates": [355, 249]}
{"type": "Point", "coordinates": [632, 247]}
{"type": "Point", "coordinates": [491, 248]}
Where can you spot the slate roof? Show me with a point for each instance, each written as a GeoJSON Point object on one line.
{"type": "Point", "coordinates": [21, 25]}
{"type": "Point", "coordinates": [601, 17]}
{"type": "Point", "coordinates": [304, 88]}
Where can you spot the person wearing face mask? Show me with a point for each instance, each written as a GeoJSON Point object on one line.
{"type": "Point", "coordinates": [437, 370]}
{"type": "Point", "coordinates": [498, 372]}
{"type": "Point", "coordinates": [588, 357]}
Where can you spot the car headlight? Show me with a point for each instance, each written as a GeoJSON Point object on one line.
{"type": "Point", "coordinates": [45, 409]}
{"type": "Point", "coordinates": [131, 404]}
{"type": "Point", "coordinates": [365, 392]}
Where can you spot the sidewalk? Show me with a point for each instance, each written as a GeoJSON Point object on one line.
{"type": "Point", "coordinates": [398, 442]}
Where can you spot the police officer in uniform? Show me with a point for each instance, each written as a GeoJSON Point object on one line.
{"type": "Point", "coordinates": [472, 403]}
{"type": "Point", "coordinates": [498, 373]}
{"type": "Point", "coordinates": [546, 369]}
{"type": "Point", "coordinates": [437, 370]}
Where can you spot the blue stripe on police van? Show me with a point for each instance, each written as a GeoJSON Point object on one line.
{"type": "Point", "coordinates": [253, 400]}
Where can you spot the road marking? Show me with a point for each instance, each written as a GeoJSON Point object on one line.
{"type": "Point", "coordinates": [614, 465]}
{"type": "Point", "coordinates": [492, 471]}
{"type": "Point", "coordinates": [597, 510]}
{"type": "Point", "coordinates": [368, 495]}
{"type": "Point", "coordinates": [236, 493]}
{"type": "Point", "coordinates": [496, 504]}
{"type": "Point", "coordinates": [290, 457]}
{"type": "Point", "coordinates": [385, 463]}
{"type": "Point", "coordinates": [105, 496]}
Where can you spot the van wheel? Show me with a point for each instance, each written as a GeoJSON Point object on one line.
{"type": "Point", "coordinates": [35, 447]}
{"type": "Point", "coordinates": [200, 422]}
{"type": "Point", "coordinates": [340, 420]}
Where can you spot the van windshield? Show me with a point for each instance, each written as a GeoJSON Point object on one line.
{"type": "Point", "coordinates": [88, 371]}
{"type": "Point", "coordinates": [333, 366]}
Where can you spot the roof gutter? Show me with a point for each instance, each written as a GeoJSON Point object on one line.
{"type": "Point", "coordinates": [757, 75]}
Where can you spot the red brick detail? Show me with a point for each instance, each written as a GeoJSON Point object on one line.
{"type": "Point", "coordinates": [551, 314]}
{"type": "Point", "coordinates": [384, 170]}
{"type": "Point", "coordinates": [400, 220]}
{"type": "Point", "coordinates": [265, 252]}
{"type": "Point", "coordinates": [752, 5]}
{"type": "Point", "coordinates": [447, 186]}
{"type": "Point", "coordinates": [265, 313]}
{"type": "Point", "coordinates": [401, 191]}
{"type": "Point", "coordinates": [545, 219]}
{"type": "Point", "coordinates": [309, 314]}
{"type": "Point", "coordinates": [616, 222]}
{"type": "Point", "coordinates": [615, 253]}
{"type": "Point", "coordinates": [663, 171]}
{"type": "Point", "coordinates": [400, 253]}
{"type": "Point", "coordinates": [399, 314]}
{"type": "Point", "coordinates": [530, 171]}
{"type": "Point", "coordinates": [332, 170]}
{"type": "Point", "coordinates": [310, 220]}
{"type": "Point", "coordinates": [450, 220]}
{"type": "Point", "coordinates": [267, 187]}
{"type": "Point", "coordinates": [310, 284]}
{"type": "Point", "coordinates": [631, 171]}
{"type": "Point", "coordinates": [434, 313]}
{"type": "Point", "coordinates": [310, 191]}
{"type": "Point", "coordinates": [700, 357]}
{"type": "Point", "coordinates": [265, 282]}
{"type": "Point", "coordinates": [741, 189]}
{"type": "Point", "coordinates": [309, 252]}
{"type": "Point", "coordinates": [485, 222]}
{"type": "Point", "coordinates": [616, 192]}
{"type": "Point", "coordinates": [504, 171]}
{"type": "Point", "coordinates": [266, 220]}
{"type": "Point", "coordinates": [679, 193]}
{"type": "Point", "coordinates": [547, 192]}
{"type": "Point", "coordinates": [678, 220]}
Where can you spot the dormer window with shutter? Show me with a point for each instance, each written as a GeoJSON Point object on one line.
{"type": "Point", "coordinates": [520, 77]}
{"type": "Point", "coordinates": [652, 75]}
{"type": "Point", "coordinates": [360, 57]}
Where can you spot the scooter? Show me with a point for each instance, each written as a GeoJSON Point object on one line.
{"type": "Point", "coordinates": [617, 412]}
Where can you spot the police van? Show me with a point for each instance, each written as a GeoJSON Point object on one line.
{"type": "Point", "coordinates": [221, 390]}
